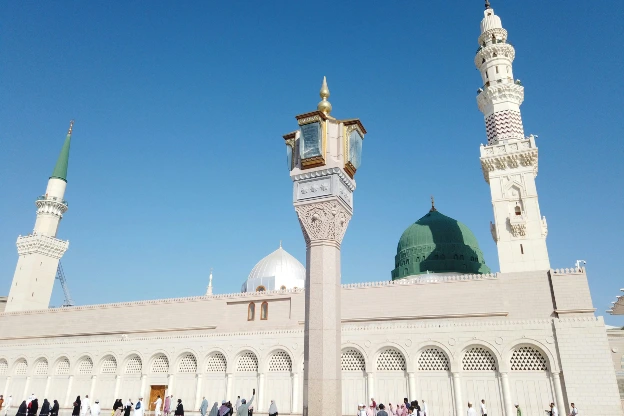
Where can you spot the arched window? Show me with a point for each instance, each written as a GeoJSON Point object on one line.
{"type": "Point", "coordinates": [261, 289]}
{"type": "Point", "coordinates": [478, 359]}
{"type": "Point", "coordinates": [264, 311]}
{"type": "Point", "coordinates": [433, 359]}
{"type": "Point", "coordinates": [251, 311]}
{"type": "Point", "coordinates": [517, 210]}
{"type": "Point", "coordinates": [4, 367]}
{"type": "Point", "coordinates": [391, 359]}
{"type": "Point", "coordinates": [62, 367]}
{"type": "Point", "coordinates": [352, 360]}
{"type": "Point", "coordinates": [528, 359]}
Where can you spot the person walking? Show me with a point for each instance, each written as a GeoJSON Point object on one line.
{"type": "Point", "coordinates": [382, 411]}
{"type": "Point", "coordinates": [45, 408]}
{"type": "Point", "coordinates": [96, 409]}
{"type": "Point", "coordinates": [117, 407]}
{"type": "Point", "coordinates": [7, 405]}
{"type": "Point", "coordinates": [86, 406]}
{"type": "Point", "coordinates": [76, 411]}
{"type": "Point", "coordinates": [157, 406]}
{"type": "Point", "coordinates": [128, 407]}
{"type": "Point", "coordinates": [203, 409]}
{"type": "Point", "coordinates": [273, 409]}
{"type": "Point", "coordinates": [573, 410]}
{"type": "Point", "coordinates": [167, 408]}
{"type": "Point", "coordinates": [34, 407]}
{"type": "Point", "coordinates": [139, 409]}
{"type": "Point", "coordinates": [55, 408]}
{"type": "Point", "coordinates": [22, 410]}
{"type": "Point", "coordinates": [518, 411]}
{"type": "Point", "coordinates": [471, 411]}
{"type": "Point", "coordinates": [215, 410]}
{"type": "Point", "coordinates": [179, 409]}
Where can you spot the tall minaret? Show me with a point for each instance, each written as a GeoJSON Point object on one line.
{"type": "Point", "coordinates": [209, 288]}
{"type": "Point", "coordinates": [40, 252]}
{"type": "Point", "coordinates": [509, 160]}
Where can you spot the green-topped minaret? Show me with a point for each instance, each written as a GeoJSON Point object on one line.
{"type": "Point", "coordinates": [60, 169]}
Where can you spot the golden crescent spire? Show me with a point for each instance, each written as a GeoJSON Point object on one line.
{"type": "Point", "coordinates": [324, 106]}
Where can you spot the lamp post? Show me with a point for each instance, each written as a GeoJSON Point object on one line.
{"type": "Point", "coordinates": [323, 156]}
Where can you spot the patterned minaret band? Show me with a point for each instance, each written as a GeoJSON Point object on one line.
{"type": "Point", "coordinates": [500, 97]}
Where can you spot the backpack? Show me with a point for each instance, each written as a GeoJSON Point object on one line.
{"type": "Point", "coordinates": [138, 406]}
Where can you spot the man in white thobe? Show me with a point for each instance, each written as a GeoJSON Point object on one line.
{"type": "Point", "coordinates": [471, 411]}
{"type": "Point", "coordinates": [157, 404]}
{"type": "Point", "coordinates": [573, 410]}
{"type": "Point", "coordinates": [86, 406]}
{"type": "Point", "coordinates": [237, 405]}
{"type": "Point", "coordinates": [483, 408]}
{"type": "Point", "coordinates": [138, 407]}
{"type": "Point", "coordinates": [95, 410]}
{"type": "Point", "coordinates": [7, 404]}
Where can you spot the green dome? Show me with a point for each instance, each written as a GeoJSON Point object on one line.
{"type": "Point", "coordinates": [438, 244]}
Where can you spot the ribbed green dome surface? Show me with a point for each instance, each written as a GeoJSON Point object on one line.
{"type": "Point", "coordinates": [438, 244]}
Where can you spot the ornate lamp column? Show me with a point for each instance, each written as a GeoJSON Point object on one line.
{"type": "Point", "coordinates": [323, 156]}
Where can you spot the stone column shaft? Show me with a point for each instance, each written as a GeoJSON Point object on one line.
{"type": "Point", "coordinates": [295, 393]}
{"type": "Point", "coordinates": [412, 384]}
{"type": "Point", "coordinates": [370, 387]}
{"type": "Point", "coordinates": [69, 387]}
{"type": "Point", "coordinates": [457, 394]}
{"type": "Point", "coordinates": [507, 404]}
{"type": "Point", "coordinates": [556, 377]}
{"type": "Point", "coordinates": [229, 378]}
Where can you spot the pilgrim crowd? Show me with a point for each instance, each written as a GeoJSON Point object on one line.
{"type": "Point", "coordinates": [242, 407]}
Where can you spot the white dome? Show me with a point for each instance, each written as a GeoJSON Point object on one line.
{"type": "Point", "coordinates": [278, 270]}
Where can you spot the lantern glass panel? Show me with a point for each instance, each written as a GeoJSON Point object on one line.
{"type": "Point", "coordinates": [355, 149]}
{"type": "Point", "coordinates": [311, 140]}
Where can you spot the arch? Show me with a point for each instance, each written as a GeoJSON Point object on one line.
{"type": "Point", "coordinates": [527, 358]}
{"type": "Point", "coordinates": [216, 362]}
{"type": "Point", "coordinates": [391, 359]}
{"type": "Point", "coordinates": [352, 359]}
{"type": "Point", "coordinates": [280, 361]}
{"type": "Point", "coordinates": [20, 367]}
{"type": "Point", "coordinates": [62, 366]}
{"type": "Point", "coordinates": [85, 365]}
{"type": "Point", "coordinates": [478, 357]}
{"type": "Point", "coordinates": [264, 311]}
{"type": "Point", "coordinates": [159, 363]}
{"type": "Point", "coordinates": [4, 366]}
{"type": "Point", "coordinates": [551, 361]}
{"type": "Point", "coordinates": [251, 311]}
{"type": "Point", "coordinates": [247, 361]}
{"type": "Point", "coordinates": [261, 288]}
{"type": "Point", "coordinates": [41, 367]}
{"type": "Point", "coordinates": [133, 364]}
{"type": "Point", "coordinates": [187, 363]}
{"type": "Point", "coordinates": [433, 358]}
{"type": "Point", "coordinates": [108, 364]}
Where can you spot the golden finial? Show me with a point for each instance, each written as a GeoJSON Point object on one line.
{"type": "Point", "coordinates": [324, 106]}
{"type": "Point", "coordinates": [487, 4]}
{"type": "Point", "coordinates": [71, 127]}
{"type": "Point", "coordinates": [433, 208]}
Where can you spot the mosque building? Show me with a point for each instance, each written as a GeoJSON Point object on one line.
{"type": "Point", "coordinates": [536, 340]}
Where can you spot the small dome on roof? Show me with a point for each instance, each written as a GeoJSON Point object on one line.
{"type": "Point", "coordinates": [438, 244]}
{"type": "Point", "coordinates": [278, 270]}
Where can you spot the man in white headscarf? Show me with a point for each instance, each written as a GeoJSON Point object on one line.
{"type": "Point", "coordinates": [244, 407]}
{"type": "Point", "coordinates": [86, 406]}
{"type": "Point", "coordinates": [138, 407]}
{"type": "Point", "coordinates": [95, 409]}
{"type": "Point", "coordinates": [272, 409]}
{"type": "Point", "coordinates": [157, 404]}
{"type": "Point", "coordinates": [237, 405]}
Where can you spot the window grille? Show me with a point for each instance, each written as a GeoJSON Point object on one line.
{"type": "Point", "coordinates": [21, 367]}
{"type": "Point", "coordinates": [528, 359]}
{"type": "Point", "coordinates": [188, 364]}
{"type": "Point", "coordinates": [134, 365]}
{"type": "Point", "coordinates": [109, 366]}
{"type": "Point", "coordinates": [216, 363]}
{"type": "Point", "coordinates": [4, 367]}
{"type": "Point", "coordinates": [352, 360]}
{"type": "Point", "coordinates": [478, 359]}
{"type": "Point", "coordinates": [160, 364]}
{"type": "Point", "coordinates": [247, 362]}
{"type": "Point", "coordinates": [433, 359]}
{"type": "Point", "coordinates": [391, 360]}
{"type": "Point", "coordinates": [85, 366]}
{"type": "Point", "coordinates": [280, 361]}
{"type": "Point", "coordinates": [41, 369]}
{"type": "Point", "coordinates": [62, 368]}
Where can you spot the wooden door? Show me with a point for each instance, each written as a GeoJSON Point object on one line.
{"type": "Point", "coordinates": [156, 391]}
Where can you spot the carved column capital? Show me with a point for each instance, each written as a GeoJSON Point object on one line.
{"type": "Point", "coordinates": [323, 221]}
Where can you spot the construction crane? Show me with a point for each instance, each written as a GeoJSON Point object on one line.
{"type": "Point", "coordinates": [61, 276]}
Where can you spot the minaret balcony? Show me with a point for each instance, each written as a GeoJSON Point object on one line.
{"type": "Point", "coordinates": [495, 50]}
{"type": "Point", "coordinates": [51, 205]}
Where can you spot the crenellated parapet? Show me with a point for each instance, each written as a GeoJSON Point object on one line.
{"type": "Point", "coordinates": [509, 155]}
{"type": "Point", "coordinates": [51, 205]}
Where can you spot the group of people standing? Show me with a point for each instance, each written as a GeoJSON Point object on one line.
{"type": "Point", "coordinates": [402, 409]}
{"type": "Point", "coordinates": [30, 407]}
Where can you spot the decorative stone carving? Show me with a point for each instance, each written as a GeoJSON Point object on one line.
{"type": "Point", "coordinates": [503, 91]}
{"type": "Point", "coordinates": [326, 220]}
{"type": "Point", "coordinates": [494, 50]}
{"type": "Point", "coordinates": [41, 244]}
{"type": "Point", "coordinates": [517, 224]}
{"type": "Point", "coordinates": [498, 32]}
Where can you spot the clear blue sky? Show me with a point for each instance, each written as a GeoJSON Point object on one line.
{"type": "Point", "coordinates": [178, 163]}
